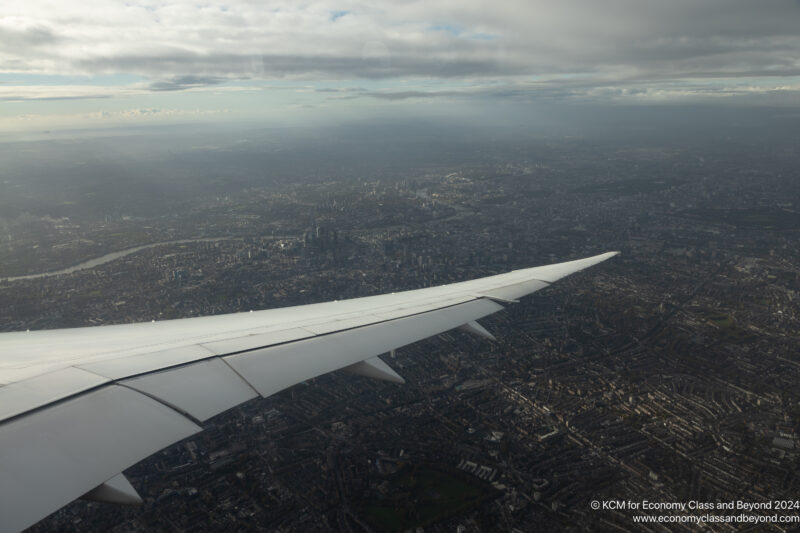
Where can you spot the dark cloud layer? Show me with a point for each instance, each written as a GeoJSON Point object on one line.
{"type": "Point", "coordinates": [181, 83]}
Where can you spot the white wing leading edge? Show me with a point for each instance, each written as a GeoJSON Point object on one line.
{"type": "Point", "coordinates": [79, 406]}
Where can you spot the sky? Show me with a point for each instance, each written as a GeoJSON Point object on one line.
{"type": "Point", "coordinates": [70, 65]}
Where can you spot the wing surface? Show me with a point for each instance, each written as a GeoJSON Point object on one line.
{"type": "Point", "coordinates": [79, 406]}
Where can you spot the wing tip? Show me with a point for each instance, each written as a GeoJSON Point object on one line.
{"type": "Point", "coordinates": [595, 259]}
{"type": "Point", "coordinates": [581, 264]}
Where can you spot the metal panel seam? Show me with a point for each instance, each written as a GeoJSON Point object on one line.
{"type": "Point", "coordinates": [57, 402]}
{"type": "Point", "coordinates": [244, 378]}
{"type": "Point", "coordinates": [164, 403]}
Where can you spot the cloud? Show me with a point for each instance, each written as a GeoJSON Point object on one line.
{"type": "Point", "coordinates": [45, 92]}
{"type": "Point", "coordinates": [608, 46]}
{"type": "Point", "coordinates": [59, 92]}
{"type": "Point", "coordinates": [403, 95]}
{"type": "Point", "coordinates": [181, 83]}
{"type": "Point", "coordinates": [217, 68]}
{"type": "Point", "coordinates": [150, 113]}
{"type": "Point", "coordinates": [12, 37]}
{"type": "Point", "coordinates": [52, 122]}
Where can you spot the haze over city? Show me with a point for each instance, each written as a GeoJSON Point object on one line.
{"type": "Point", "coordinates": [166, 160]}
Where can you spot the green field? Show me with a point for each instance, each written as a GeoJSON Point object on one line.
{"type": "Point", "coordinates": [721, 320]}
{"type": "Point", "coordinates": [729, 331]}
{"type": "Point", "coordinates": [421, 495]}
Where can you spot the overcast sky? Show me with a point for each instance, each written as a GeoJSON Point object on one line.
{"type": "Point", "coordinates": [76, 64]}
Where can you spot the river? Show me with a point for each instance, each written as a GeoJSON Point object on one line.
{"type": "Point", "coordinates": [111, 257]}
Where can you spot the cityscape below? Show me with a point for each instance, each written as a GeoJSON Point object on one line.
{"type": "Point", "coordinates": [668, 374]}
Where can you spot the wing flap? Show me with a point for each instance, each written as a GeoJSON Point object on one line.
{"type": "Point", "coordinates": [61, 452]}
{"type": "Point", "coordinates": [270, 370]}
{"type": "Point", "coordinates": [201, 390]}
{"type": "Point", "coordinates": [23, 396]}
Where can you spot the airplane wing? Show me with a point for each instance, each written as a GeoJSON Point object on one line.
{"type": "Point", "coordinates": [79, 406]}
